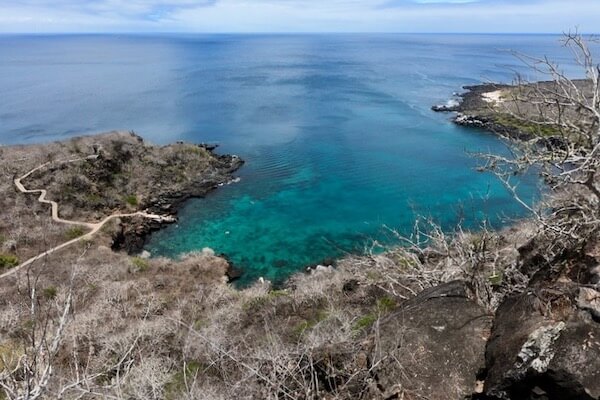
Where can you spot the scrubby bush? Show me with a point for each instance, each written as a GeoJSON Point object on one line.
{"type": "Point", "coordinates": [50, 292]}
{"type": "Point", "coordinates": [74, 232]}
{"type": "Point", "coordinates": [140, 264]}
{"type": "Point", "coordinates": [386, 304]}
{"type": "Point", "coordinates": [181, 379]}
{"type": "Point", "coordinates": [132, 200]}
{"type": "Point", "coordinates": [8, 261]}
{"type": "Point", "coordinates": [365, 322]}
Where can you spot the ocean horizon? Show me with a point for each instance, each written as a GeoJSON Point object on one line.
{"type": "Point", "coordinates": [340, 144]}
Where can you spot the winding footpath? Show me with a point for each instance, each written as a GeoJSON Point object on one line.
{"type": "Point", "coordinates": [94, 227]}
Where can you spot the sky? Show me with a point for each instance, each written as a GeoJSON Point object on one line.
{"type": "Point", "coordinates": [493, 16]}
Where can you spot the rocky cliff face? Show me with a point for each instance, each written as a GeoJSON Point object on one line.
{"type": "Point", "coordinates": [544, 342]}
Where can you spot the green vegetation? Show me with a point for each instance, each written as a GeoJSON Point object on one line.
{"type": "Point", "coordinates": [8, 261]}
{"type": "Point", "coordinates": [496, 279]}
{"type": "Point", "coordinates": [374, 275]}
{"type": "Point", "coordinates": [177, 384]}
{"type": "Point", "coordinates": [476, 240]}
{"type": "Point", "coordinates": [277, 293]}
{"type": "Point", "coordinates": [74, 232]}
{"type": "Point", "coordinates": [141, 264]}
{"type": "Point", "coordinates": [386, 304]}
{"type": "Point", "coordinates": [528, 127]}
{"type": "Point", "coordinates": [403, 260]}
{"type": "Point", "coordinates": [311, 323]}
{"type": "Point", "coordinates": [255, 303]}
{"type": "Point", "coordinates": [132, 200]}
{"type": "Point", "coordinates": [10, 353]}
{"type": "Point", "coordinates": [199, 323]}
{"type": "Point", "coordinates": [260, 301]}
{"type": "Point", "coordinates": [94, 199]}
{"type": "Point", "coordinates": [50, 292]}
{"type": "Point", "coordinates": [365, 322]}
{"type": "Point", "coordinates": [174, 173]}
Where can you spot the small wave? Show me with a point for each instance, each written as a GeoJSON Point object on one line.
{"type": "Point", "coordinates": [452, 103]}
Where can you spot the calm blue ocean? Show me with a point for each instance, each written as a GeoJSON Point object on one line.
{"type": "Point", "coordinates": [336, 129]}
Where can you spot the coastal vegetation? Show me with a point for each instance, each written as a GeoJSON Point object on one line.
{"type": "Point", "coordinates": [486, 315]}
{"type": "Point", "coordinates": [74, 232]}
{"type": "Point", "coordinates": [8, 261]}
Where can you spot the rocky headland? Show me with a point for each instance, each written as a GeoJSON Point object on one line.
{"type": "Point", "coordinates": [117, 172]}
{"type": "Point", "coordinates": [511, 111]}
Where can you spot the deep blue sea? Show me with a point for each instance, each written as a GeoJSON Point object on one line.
{"type": "Point", "coordinates": [336, 130]}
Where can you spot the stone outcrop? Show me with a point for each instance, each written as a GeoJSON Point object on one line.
{"type": "Point", "coordinates": [542, 349]}
{"type": "Point", "coordinates": [545, 341]}
{"type": "Point", "coordinates": [490, 124]}
{"type": "Point", "coordinates": [433, 346]}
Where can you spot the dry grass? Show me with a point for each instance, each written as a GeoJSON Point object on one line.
{"type": "Point", "coordinates": [185, 332]}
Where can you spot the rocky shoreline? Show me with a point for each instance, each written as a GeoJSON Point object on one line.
{"type": "Point", "coordinates": [472, 110]}
{"type": "Point", "coordinates": [134, 233]}
{"type": "Point", "coordinates": [495, 108]}
{"type": "Point", "coordinates": [128, 175]}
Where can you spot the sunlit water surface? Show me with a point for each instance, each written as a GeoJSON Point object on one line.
{"type": "Point", "coordinates": [337, 133]}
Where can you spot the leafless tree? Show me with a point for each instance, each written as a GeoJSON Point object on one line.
{"type": "Point", "coordinates": [33, 368]}
{"type": "Point", "coordinates": [563, 117]}
{"type": "Point", "coordinates": [27, 375]}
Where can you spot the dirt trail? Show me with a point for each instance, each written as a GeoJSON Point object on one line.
{"type": "Point", "coordinates": [94, 227]}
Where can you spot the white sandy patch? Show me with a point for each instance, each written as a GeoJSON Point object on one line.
{"type": "Point", "coordinates": [493, 97]}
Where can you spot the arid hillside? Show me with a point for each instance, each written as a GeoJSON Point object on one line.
{"type": "Point", "coordinates": [506, 314]}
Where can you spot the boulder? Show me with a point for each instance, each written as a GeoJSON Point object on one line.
{"type": "Point", "coordinates": [446, 107]}
{"type": "Point", "coordinates": [145, 254]}
{"type": "Point", "coordinates": [207, 251]}
{"type": "Point", "coordinates": [433, 346]}
{"type": "Point", "coordinates": [574, 371]}
{"type": "Point", "coordinates": [9, 246]}
{"type": "Point", "coordinates": [589, 300]}
{"type": "Point", "coordinates": [543, 348]}
{"type": "Point", "coordinates": [319, 269]}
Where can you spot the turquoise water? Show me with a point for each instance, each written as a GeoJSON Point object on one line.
{"type": "Point", "coordinates": [336, 130]}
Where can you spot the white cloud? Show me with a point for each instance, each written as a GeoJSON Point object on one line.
{"type": "Point", "coordinates": [298, 15]}
{"type": "Point", "coordinates": [445, 1]}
